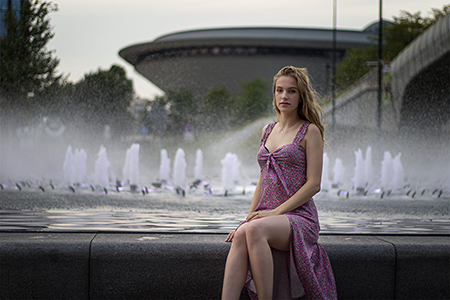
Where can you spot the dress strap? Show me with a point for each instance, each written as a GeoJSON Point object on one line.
{"type": "Point", "coordinates": [267, 132]}
{"type": "Point", "coordinates": [301, 132]}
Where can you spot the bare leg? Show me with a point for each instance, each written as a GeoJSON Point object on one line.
{"type": "Point", "coordinates": [237, 266]}
{"type": "Point", "coordinates": [262, 234]}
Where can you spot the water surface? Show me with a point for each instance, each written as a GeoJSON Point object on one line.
{"type": "Point", "coordinates": [84, 210]}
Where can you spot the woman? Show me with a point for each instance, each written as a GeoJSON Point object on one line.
{"type": "Point", "coordinates": [274, 252]}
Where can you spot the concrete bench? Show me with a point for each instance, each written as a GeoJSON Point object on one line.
{"type": "Point", "coordinates": [40, 265]}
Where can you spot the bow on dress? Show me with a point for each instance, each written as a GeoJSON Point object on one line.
{"type": "Point", "coordinates": [272, 159]}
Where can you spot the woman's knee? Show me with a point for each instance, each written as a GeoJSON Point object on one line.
{"type": "Point", "coordinates": [240, 235]}
{"type": "Point", "coordinates": [274, 231]}
{"type": "Point", "coordinates": [255, 231]}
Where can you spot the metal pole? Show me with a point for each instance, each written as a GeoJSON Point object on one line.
{"type": "Point", "coordinates": [333, 85]}
{"type": "Point", "coordinates": [380, 68]}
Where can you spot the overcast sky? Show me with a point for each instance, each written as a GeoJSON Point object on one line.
{"type": "Point", "coordinates": [90, 33]}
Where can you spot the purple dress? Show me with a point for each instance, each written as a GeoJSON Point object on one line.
{"type": "Point", "coordinates": [305, 271]}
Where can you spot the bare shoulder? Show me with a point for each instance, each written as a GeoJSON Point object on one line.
{"type": "Point", "coordinates": [313, 130]}
{"type": "Point", "coordinates": [264, 129]}
{"type": "Point", "coordinates": [313, 137]}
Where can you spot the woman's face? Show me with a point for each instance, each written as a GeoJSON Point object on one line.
{"type": "Point", "coordinates": [287, 95]}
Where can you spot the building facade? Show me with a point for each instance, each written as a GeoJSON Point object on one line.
{"type": "Point", "coordinates": [202, 59]}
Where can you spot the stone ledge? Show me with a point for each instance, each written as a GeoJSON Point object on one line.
{"type": "Point", "coordinates": [44, 265]}
{"type": "Point", "coordinates": [190, 266]}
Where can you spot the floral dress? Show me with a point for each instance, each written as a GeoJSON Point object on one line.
{"type": "Point", "coordinates": [305, 271]}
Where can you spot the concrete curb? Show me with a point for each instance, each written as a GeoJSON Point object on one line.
{"type": "Point", "coordinates": [39, 265]}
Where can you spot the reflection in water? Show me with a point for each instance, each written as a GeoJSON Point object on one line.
{"type": "Point", "coordinates": [156, 221]}
{"type": "Point", "coordinates": [165, 211]}
{"type": "Point", "coordinates": [167, 221]}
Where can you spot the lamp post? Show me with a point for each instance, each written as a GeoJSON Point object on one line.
{"type": "Point", "coordinates": [333, 72]}
{"type": "Point", "coordinates": [380, 68]}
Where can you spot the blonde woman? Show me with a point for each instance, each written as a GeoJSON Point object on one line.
{"type": "Point", "coordinates": [274, 252]}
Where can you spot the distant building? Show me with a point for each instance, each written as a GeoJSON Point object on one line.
{"type": "Point", "coordinates": [15, 5]}
{"type": "Point", "coordinates": [202, 59]}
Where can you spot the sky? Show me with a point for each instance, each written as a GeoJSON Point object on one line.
{"type": "Point", "coordinates": [90, 33]}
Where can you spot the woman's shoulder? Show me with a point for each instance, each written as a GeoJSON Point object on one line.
{"type": "Point", "coordinates": [313, 130]}
{"type": "Point", "coordinates": [267, 125]}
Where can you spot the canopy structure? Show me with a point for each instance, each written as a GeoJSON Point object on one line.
{"type": "Point", "coordinates": [201, 59]}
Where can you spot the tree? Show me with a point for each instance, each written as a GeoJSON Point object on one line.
{"type": "Point", "coordinates": [253, 101]}
{"type": "Point", "coordinates": [403, 31]}
{"type": "Point", "coordinates": [183, 108]}
{"type": "Point", "coordinates": [102, 98]}
{"type": "Point", "coordinates": [406, 28]}
{"type": "Point", "coordinates": [218, 107]}
{"type": "Point", "coordinates": [27, 68]}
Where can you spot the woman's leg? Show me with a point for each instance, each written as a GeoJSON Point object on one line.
{"type": "Point", "coordinates": [262, 235]}
{"type": "Point", "coordinates": [236, 266]}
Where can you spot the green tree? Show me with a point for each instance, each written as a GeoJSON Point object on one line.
{"type": "Point", "coordinates": [218, 107]}
{"type": "Point", "coordinates": [156, 119]}
{"type": "Point", "coordinates": [396, 37]}
{"type": "Point", "coordinates": [253, 101]}
{"type": "Point", "coordinates": [27, 68]}
{"type": "Point", "coordinates": [183, 108]}
{"type": "Point", "coordinates": [102, 98]}
{"type": "Point", "coordinates": [354, 65]}
{"type": "Point", "coordinates": [406, 28]}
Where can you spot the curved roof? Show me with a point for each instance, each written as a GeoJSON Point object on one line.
{"type": "Point", "coordinates": [201, 59]}
{"type": "Point", "coordinates": [306, 38]}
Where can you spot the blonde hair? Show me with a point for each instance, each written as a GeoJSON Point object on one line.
{"type": "Point", "coordinates": [309, 109]}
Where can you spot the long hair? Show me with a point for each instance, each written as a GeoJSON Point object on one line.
{"type": "Point", "coordinates": [309, 109]}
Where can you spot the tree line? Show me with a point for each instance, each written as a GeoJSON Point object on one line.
{"type": "Point", "coordinates": [396, 36]}
{"type": "Point", "coordinates": [31, 89]}
{"type": "Point", "coordinates": [216, 111]}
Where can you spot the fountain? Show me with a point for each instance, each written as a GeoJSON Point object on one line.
{"type": "Point", "coordinates": [126, 167]}
{"type": "Point", "coordinates": [164, 169]}
{"type": "Point", "coordinates": [398, 180]}
{"type": "Point", "coordinates": [368, 170]}
{"type": "Point", "coordinates": [101, 168]}
{"type": "Point", "coordinates": [363, 171]}
{"type": "Point", "coordinates": [386, 171]}
{"type": "Point", "coordinates": [68, 167]}
{"type": "Point", "coordinates": [179, 172]}
{"type": "Point", "coordinates": [375, 178]}
{"type": "Point", "coordinates": [338, 173]}
{"type": "Point", "coordinates": [359, 179]}
{"type": "Point", "coordinates": [325, 184]}
{"type": "Point", "coordinates": [230, 172]}
{"type": "Point", "coordinates": [198, 165]}
{"type": "Point", "coordinates": [198, 174]}
{"type": "Point", "coordinates": [79, 162]}
{"type": "Point", "coordinates": [130, 169]}
{"type": "Point", "coordinates": [391, 184]}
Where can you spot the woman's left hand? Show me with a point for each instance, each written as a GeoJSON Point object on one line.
{"type": "Point", "coordinates": [260, 214]}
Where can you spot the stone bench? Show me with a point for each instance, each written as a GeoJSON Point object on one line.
{"type": "Point", "coordinates": [57, 265]}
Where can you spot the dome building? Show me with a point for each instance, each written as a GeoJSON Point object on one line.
{"type": "Point", "coordinates": [202, 59]}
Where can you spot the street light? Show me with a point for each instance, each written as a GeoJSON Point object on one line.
{"type": "Point", "coordinates": [333, 84]}
{"type": "Point", "coordinates": [380, 67]}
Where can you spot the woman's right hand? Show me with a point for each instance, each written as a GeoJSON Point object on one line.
{"type": "Point", "coordinates": [230, 236]}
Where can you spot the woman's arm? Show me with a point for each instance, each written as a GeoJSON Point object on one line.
{"type": "Point", "coordinates": [255, 201]}
{"type": "Point", "coordinates": [256, 197]}
{"type": "Point", "coordinates": [257, 193]}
